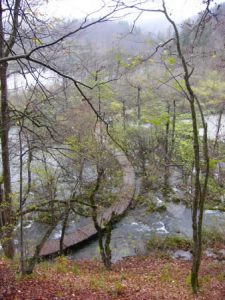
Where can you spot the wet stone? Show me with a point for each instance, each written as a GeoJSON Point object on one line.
{"type": "Point", "coordinates": [181, 254]}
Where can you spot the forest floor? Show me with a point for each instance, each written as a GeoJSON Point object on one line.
{"type": "Point", "coordinates": [142, 278]}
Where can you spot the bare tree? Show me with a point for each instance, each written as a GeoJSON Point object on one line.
{"type": "Point", "coordinates": [22, 43]}
{"type": "Point", "coordinates": [201, 166]}
{"type": "Point", "coordinates": [200, 188]}
{"type": "Point", "coordinates": [6, 45]}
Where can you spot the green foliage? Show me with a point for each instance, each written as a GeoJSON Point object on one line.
{"type": "Point", "coordinates": [158, 120]}
{"type": "Point", "coordinates": [170, 60]}
{"type": "Point", "coordinates": [183, 145]}
{"type": "Point", "coordinates": [221, 276]}
{"type": "Point", "coordinates": [188, 279]}
{"type": "Point", "coordinates": [97, 283]}
{"type": "Point", "coordinates": [211, 89]}
{"type": "Point", "coordinates": [84, 145]}
{"type": "Point", "coordinates": [134, 61]}
{"type": "Point", "coordinates": [168, 243]}
{"type": "Point", "coordinates": [213, 163]}
{"type": "Point", "coordinates": [204, 280]}
{"type": "Point", "coordinates": [14, 264]}
{"type": "Point", "coordinates": [156, 208]}
{"type": "Point", "coordinates": [184, 129]}
{"type": "Point", "coordinates": [115, 106]}
{"type": "Point", "coordinates": [44, 217]}
{"type": "Point", "coordinates": [212, 237]}
{"type": "Point", "coordinates": [179, 85]}
{"type": "Point", "coordinates": [117, 289]}
{"type": "Point", "coordinates": [130, 62]}
{"type": "Point", "coordinates": [63, 265]}
{"type": "Point", "coordinates": [166, 274]}
{"type": "Point", "coordinates": [215, 191]}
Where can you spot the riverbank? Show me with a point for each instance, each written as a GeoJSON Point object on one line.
{"type": "Point", "coordinates": [143, 277]}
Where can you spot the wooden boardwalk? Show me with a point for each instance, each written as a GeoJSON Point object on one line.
{"type": "Point", "coordinates": [118, 208]}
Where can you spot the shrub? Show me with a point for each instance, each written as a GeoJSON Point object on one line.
{"type": "Point", "coordinates": [211, 237]}
{"type": "Point", "coordinates": [168, 243]}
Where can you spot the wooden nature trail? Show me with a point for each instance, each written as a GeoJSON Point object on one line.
{"type": "Point", "coordinates": [118, 208]}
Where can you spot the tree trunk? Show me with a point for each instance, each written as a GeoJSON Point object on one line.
{"type": "Point", "coordinates": [215, 146]}
{"type": "Point", "coordinates": [199, 189]}
{"type": "Point", "coordinates": [104, 239]}
{"type": "Point", "coordinates": [139, 104]}
{"type": "Point", "coordinates": [22, 266]}
{"type": "Point", "coordinates": [166, 187]}
{"type": "Point", "coordinates": [108, 252]}
{"type": "Point", "coordinates": [8, 245]}
{"type": "Point", "coordinates": [64, 225]}
{"type": "Point", "coordinates": [124, 114]}
{"type": "Point", "coordinates": [32, 261]}
{"type": "Point", "coordinates": [104, 230]}
{"type": "Point", "coordinates": [7, 212]}
{"type": "Point", "coordinates": [196, 200]}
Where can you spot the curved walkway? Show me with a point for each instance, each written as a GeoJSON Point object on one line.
{"type": "Point", "coordinates": [118, 208]}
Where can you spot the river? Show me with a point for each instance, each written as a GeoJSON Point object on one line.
{"type": "Point", "coordinates": [130, 235]}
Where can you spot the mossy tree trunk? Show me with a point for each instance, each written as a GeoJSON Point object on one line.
{"type": "Point", "coordinates": [103, 227]}
{"type": "Point", "coordinates": [6, 46]}
{"type": "Point", "coordinates": [200, 184]}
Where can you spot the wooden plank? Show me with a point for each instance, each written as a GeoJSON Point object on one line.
{"type": "Point", "coordinates": [86, 232]}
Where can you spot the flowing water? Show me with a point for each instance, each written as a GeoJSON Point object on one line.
{"type": "Point", "coordinates": [212, 122]}
{"type": "Point", "coordinates": [130, 235]}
